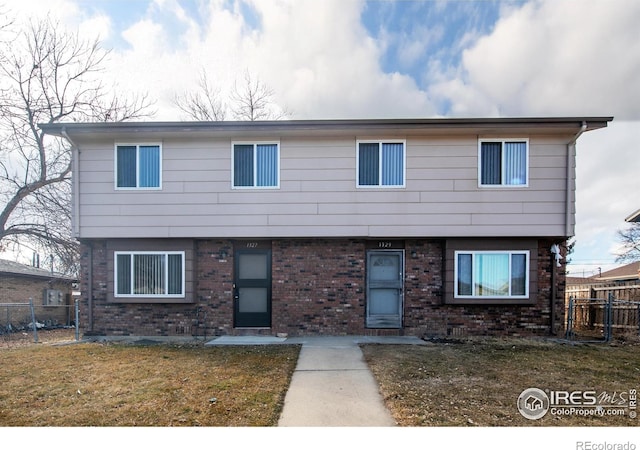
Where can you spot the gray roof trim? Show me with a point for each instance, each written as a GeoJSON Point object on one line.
{"type": "Point", "coordinates": [14, 268]}
{"type": "Point", "coordinates": [633, 217]}
{"type": "Point", "coordinates": [300, 125]}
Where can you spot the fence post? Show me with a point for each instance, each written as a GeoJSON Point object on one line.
{"type": "Point", "coordinates": [77, 321]}
{"type": "Point", "coordinates": [609, 318]}
{"type": "Point", "coordinates": [569, 319]}
{"type": "Point", "coordinates": [33, 321]}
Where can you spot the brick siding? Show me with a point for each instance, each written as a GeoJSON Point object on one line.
{"type": "Point", "coordinates": [21, 288]}
{"type": "Point", "coordinates": [318, 287]}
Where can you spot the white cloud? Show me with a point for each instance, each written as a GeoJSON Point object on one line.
{"type": "Point", "coordinates": [551, 57]}
{"type": "Point", "coordinates": [316, 56]}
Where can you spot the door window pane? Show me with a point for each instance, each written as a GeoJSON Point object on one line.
{"type": "Point", "coordinates": [385, 268]}
{"type": "Point", "coordinates": [384, 301]}
{"type": "Point", "coordinates": [252, 300]}
{"type": "Point", "coordinates": [252, 266]}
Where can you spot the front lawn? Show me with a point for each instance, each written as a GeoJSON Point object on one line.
{"type": "Point", "coordinates": [92, 384]}
{"type": "Point", "coordinates": [478, 383]}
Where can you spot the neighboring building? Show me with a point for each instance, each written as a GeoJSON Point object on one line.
{"type": "Point", "coordinates": [51, 294]}
{"type": "Point", "coordinates": [635, 217]}
{"type": "Point", "coordinates": [427, 227]}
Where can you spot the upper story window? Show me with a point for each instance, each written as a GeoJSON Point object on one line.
{"type": "Point", "coordinates": [381, 164]}
{"type": "Point", "coordinates": [492, 274]}
{"type": "Point", "coordinates": [256, 165]}
{"type": "Point", "coordinates": [138, 166]}
{"type": "Point", "coordinates": [504, 162]}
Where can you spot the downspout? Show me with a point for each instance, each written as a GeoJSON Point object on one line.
{"type": "Point", "coordinates": [75, 225]}
{"type": "Point", "coordinates": [75, 153]}
{"type": "Point", "coordinates": [571, 145]}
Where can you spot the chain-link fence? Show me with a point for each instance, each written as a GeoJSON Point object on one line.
{"type": "Point", "coordinates": [601, 320]}
{"type": "Point", "coordinates": [25, 317]}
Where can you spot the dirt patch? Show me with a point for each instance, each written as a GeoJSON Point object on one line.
{"type": "Point", "coordinates": [478, 383]}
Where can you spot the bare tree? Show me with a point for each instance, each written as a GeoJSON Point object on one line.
{"type": "Point", "coordinates": [47, 76]}
{"type": "Point", "coordinates": [630, 240]}
{"type": "Point", "coordinates": [250, 100]}
{"type": "Point", "coordinates": [253, 100]}
{"type": "Point", "coordinates": [205, 104]}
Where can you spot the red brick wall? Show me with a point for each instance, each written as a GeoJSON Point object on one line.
{"type": "Point", "coordinates": [318, 287]}
{"type": "Point", "coordinates": [19, 289]}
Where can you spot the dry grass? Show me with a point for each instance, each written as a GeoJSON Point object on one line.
{"type": "Point", "coordinates": [478, 383]}
{"type": "Point", "coordinates": [92, 384]}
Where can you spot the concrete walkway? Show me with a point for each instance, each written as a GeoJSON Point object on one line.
{"type": "Point", "coordinates": [332, 385]}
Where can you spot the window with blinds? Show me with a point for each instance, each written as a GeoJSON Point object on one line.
{"type": "Point", "coordinates": [502, 274]}
{"type": "Point", "coordinates": [138, 166]}
{"type": "Point", "coordinates": [504, 162]}
{"type": "Point", "coordinates": [256, 165]}
{"type": "Point", "coordinates": [149, 274]}
{"type": "Point", "coordinates": [381, 164]}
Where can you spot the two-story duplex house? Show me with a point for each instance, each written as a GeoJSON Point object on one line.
{"type": "Point", "coordinates": [427, 227]}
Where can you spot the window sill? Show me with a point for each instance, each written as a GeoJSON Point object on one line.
{"type": "Point", "coordinates": [495, 301]}
{"type": "Point", "coordinates": [151, 300]}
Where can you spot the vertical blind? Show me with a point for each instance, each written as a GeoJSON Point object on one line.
{"type": "Point", "coordinates": [138, 166]}
{"type": "Point", "coordinates": [266, 165]}
{"type": "Point", "coordinates": [243, 165]}
{"type": "Point", "coordinates": [491, 274]}
{"type": "Point", "coordinates": [255, 165]}
{"type": "Point", "coordinates": [392, 164]}
{"type": "Point", "coordinates": [126, 166]}
{"type": "Point", "coordinates": [381, 164]}
{"type": "Point", "coordinates": [369, 164]}
{"type": "Point", "coordinates": [149, 160]}
{"type": "Point", "coordinates": [515, 166]}
{"type": "Point", "coordinates": [503, 163]}
{"type": "Point", "coordinates": [146, 274]}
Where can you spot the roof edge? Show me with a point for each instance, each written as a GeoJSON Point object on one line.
{"type": "Point", "coordinates": [59, 128]}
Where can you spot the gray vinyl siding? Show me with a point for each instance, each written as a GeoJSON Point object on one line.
{"type": "Point", "coordinates": [318, 196]}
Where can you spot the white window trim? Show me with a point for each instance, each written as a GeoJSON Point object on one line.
{"type": "Point", "coordinates": [255, 164]}
{"type": "Point", "coordinates": [527, 254]}
{"type": "Point", "coordinates": [502, 185]}
{"type": "Point", "coordinates": [132, 253]}
{"type": "Point", "coordinates": [380, 142]}
{"type": "Point", "coordinates": [137, 145]}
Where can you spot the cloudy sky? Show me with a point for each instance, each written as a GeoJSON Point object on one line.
{"type": "Point", "coordinates": [369, 59]}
